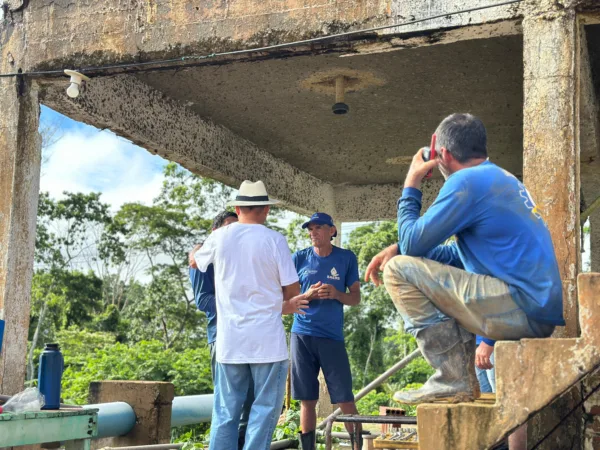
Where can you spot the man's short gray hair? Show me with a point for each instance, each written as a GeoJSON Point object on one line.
{"type": "Point", "coordinates": [464, 136]}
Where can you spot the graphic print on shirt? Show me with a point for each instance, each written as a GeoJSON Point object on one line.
{"type": "Point", "coordinates": [334, 274]}
{"type": "Point", "coordinates": [529, 203]}
{"type": "Point", "coordinates": [525, 195]}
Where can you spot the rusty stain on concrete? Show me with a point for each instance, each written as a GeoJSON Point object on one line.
{"type": "Point", "coordinates": [323, 82]}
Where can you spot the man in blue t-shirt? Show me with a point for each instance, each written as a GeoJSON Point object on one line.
{"type": "Point", "coordinates": [329, 276]}
{"type": "Point", "coordinates": [498, 278]}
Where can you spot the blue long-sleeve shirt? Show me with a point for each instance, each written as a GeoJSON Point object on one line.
{"type": "Point", "coordinates": [499, 231]}
{"type": "Point", "coordinates": [203, 285]}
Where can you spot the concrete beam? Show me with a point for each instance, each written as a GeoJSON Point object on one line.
{"type": "Point", "coordinates": [136, 111]}
{"type": "Point", "coordinates": [377, 201]}
{"type": "Point", "coordinates": [551, 139]}
{"type": "Point", "coordinates": [20, 158]}
{"type": "Point", "coordinates": [90, 33]}
{"type": "Point", "coordinates": [440, 37]}
{"type": "Point", "coordinates": [416, 9]}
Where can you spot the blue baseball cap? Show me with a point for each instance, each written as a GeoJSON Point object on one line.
{"type": "Point", "coordinates": [321, 219]}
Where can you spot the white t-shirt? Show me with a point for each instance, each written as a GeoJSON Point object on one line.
{"type": "Point", "coordinates": [252, 263]}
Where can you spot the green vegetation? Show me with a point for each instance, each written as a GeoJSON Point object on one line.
{"type": "Point", "coordinates": [112, 288]}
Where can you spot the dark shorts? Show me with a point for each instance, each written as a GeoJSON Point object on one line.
{"type": "Point", "coordinates": [309, 354]}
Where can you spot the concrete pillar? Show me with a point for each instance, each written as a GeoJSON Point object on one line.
{"type": "Point", "coordinates": [20, 158]}
{"type": "Point", "coordinates": [551, 139]}
{"type": "Point", "coordinates": [551, 157]}
{"type": "Point", "coordinates": [324, 405]}
{"type": "Point", "coordinates": [151, 402]}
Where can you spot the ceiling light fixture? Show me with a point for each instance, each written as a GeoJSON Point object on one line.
{"type": "Point", "coordinates": [340, 88]}
{"type": "Point", "coordinates": [76, 80]}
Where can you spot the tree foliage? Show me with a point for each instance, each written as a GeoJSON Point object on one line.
{"type": "Point", "coordinates": [112, 288]}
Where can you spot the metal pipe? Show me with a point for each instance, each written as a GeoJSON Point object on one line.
{"type": "Point", "coordinates": [147, 447]}
{"type": "Point", "coordinates": [344, 435]}
{"type": "Point", "coordinates": [340, 87]}
{"type": "Point", "coordinates": [191, 409]}
{"type": "Point", "coordinates": [114, 419]}
{"type": "Point", "coordinates": [286, 443]}
{"type": "Point", "coordinates": [375, 383]}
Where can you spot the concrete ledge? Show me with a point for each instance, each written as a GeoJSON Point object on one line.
{"type": "Point", "coordinates": [151, 401]}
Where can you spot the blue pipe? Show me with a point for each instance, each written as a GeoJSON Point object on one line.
{"type": "Point", "coordinates": [114, 419]}
{"type": "Point", "coordinates": [191, 409]}
{"type": "Point", "coordinates": [118, 418]}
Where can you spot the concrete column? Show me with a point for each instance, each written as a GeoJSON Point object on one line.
{"type": "Point", "coordinates": [551, 139]}
{"type": "Point", "coordinates": [19, 189]}
{"type": "Point", "coordinates": [151, 402]}
{"type": "Point", "coordinates": [551, 157]}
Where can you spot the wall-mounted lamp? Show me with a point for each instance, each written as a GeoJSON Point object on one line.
{"type": "Point", "coordinates": [76, 80]}
{"type": "Point", "coordinates": [340, 88]}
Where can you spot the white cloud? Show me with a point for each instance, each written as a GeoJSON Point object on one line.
{"type": "Point", "coordinates": [101, 162]}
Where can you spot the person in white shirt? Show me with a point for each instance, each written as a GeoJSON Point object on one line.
{"type": "Point", "coordinates": [255, 281]}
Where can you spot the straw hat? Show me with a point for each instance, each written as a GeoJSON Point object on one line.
{"type": "Point", "coordinates": [252, 194]}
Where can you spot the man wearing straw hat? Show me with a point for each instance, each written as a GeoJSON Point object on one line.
{"type": "Point", "coordinates": [255, 280]}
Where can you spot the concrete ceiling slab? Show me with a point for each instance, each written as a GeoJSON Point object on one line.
{"type": "Point", "coordinates": [268, 103]}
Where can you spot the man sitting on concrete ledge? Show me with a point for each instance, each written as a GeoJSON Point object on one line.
{"type": "Point", "coordinates": [499, 278]}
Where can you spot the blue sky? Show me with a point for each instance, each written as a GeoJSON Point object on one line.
{"type": "Point", "coordinates": [85, 159]}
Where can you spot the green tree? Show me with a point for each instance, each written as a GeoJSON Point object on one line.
{"type": "Point", "coordinates": [374, 333]}
{"type": "Point", "coordinates": [67, 232]}
{"type": "Point", "coordinates": [163, 234]}
{"type": "Point", "coordinates": [188, 370]}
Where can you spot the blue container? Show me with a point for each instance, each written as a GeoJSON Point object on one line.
{"type": "Point", "coordinates": [1, 334]}
{"type": "Point", "coordinates": [49, 376]}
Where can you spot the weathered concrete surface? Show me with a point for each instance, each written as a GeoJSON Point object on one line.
{"type": "Point", "coordinates": [551, 139]}
{"type": "Point", "coordinates": [551, 160]}
{"type": "Point", "coordinates": [415, 9]}
{"type": "Point", "coordinates": [88, 32]}
{"type": "Point", "coordinates": [151, 401]}
{"type": "Point", "coordinates": [403, 41]}
{"type": "Point", "coordinates": [377, 201]}
{"type": "Point", "coordinates": [520, 366]}
{"type": "Point", "coordinates": [19, 186]}
{"type": "Point", "coordinates": [144, 115]}
{"type": "Point", "coordinates": [267, 103]}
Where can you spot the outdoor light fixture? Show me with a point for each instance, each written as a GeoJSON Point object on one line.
{"type": "Point", "coordinates": [76, 80]}
{"type": "Point", "coordinates": [338, 82]}
{"type": "Point", "coordinates": [340, 87]}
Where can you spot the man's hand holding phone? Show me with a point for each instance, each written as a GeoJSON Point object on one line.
{"type": "Point", "coordinates": [421, 168]}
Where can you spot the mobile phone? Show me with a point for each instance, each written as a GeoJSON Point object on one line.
{"type": "Point", "coordinates": [429, 154]}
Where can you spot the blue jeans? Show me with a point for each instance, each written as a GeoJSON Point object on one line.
{"type": "Point", "coordinates": [487, 378]}
{"type": "Point", "coordinates": [232, 382]}
{"type": "Point", "coordinates": [247, 403]}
